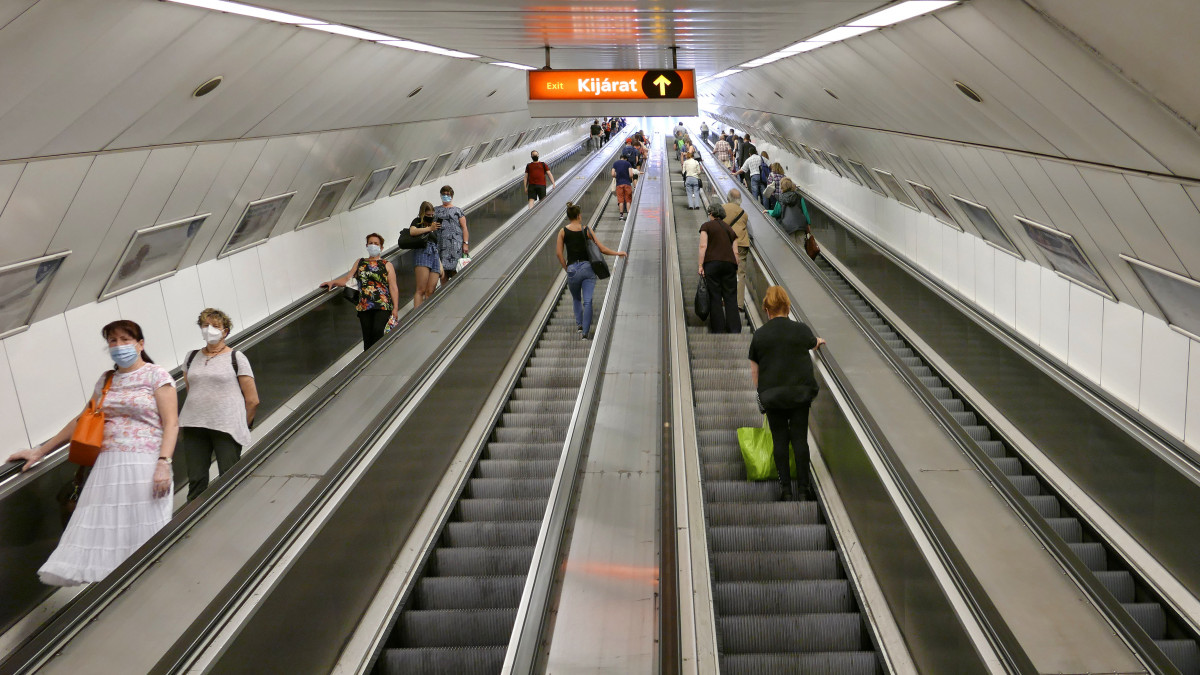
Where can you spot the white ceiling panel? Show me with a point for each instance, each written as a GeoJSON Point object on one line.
{"type": "Point", "coordinates": [253, 187]}
{"type": "Point", "coordinates": [221, 194]}
{"type": "Point", "coordinates": [198, 177]}
{"type": "Point", "coordinates": [1131, 218]}
{"type": "Point", "coordinates": [37, 206]}
{"type": "Point", "coordinates": [65, 95]}
{"type": "Point", "coordinates": [12, 9]}
{"type": "Point", "coordinates": [1176, 217]}
{"type": "Point", "coordinates": [92, 213]}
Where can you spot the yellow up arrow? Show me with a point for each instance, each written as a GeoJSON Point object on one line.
{"type": "Point", "coordinates": [661, 83]}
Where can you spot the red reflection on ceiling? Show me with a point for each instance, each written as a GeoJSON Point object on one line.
{"type": "Point", "coordinates": [613, 25]}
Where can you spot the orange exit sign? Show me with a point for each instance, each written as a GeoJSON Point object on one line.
{"type": "Point", "coordinates": [611, 85]}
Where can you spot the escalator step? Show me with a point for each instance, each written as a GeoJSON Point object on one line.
{"type": "Point", "coordinates": [444, 661]}
{"type": "Point", "coordinates": [966, 419]}
{"type": "Point", "coordinates": [469, 592]}
{"type": "Point", "coordinates": [500, 509]}
{"type": "Point", "coordinates": [1026, 485]}
{"type": "Point", "coordinates": [994, 449]}
{"type": "Point", "coordinates": [527, 435]}
{"type": "Point", "coordinates": [1119, 583]}
{"type": "Point", "coordinates": [835, 663]}
{"type": "Point", "coordinates": [461, 562]}
{"type": "Point", "coordinates": [1047, 505]}
{"type": "Point", "coordinates": [566, 360]}
{"type": "Point", "coordinates": [500, 488]}
{"type": "Point", "coordinates": [741, 491]}
{"type": "Point", "coordinates": [978, 432]}
{"type": "Point", "coordinates": [725, 398]}
{"type": "Point", "coordinates": [717, 438]}
{"type": "Point", "coordinates": [1185, 654]}
{"type": "Point", "coordinates": [727, 419]}
{"type": "Point", "coordinates": [1092, 554]}
{"type": "Point", "coordinates": [770, 513]}
{"type": "Point", "coordinates": [557, 405]}
{"type": "Point", "coordinates": [1069, 529]}
{"type": "Point", "coordinates": [912, 361]}
{"type": "Point", "coordinates": [527, 393]}
{"type": "Point", "coordinates": [941, 393]}
{"type": "Point", "coordinates": [723, 470]}
{"type": "Point", "coordinates": [510, 468]}
{"type": "Point", "coordinates": [1009, 466]}
{"type": "Point", "coordinates": [953, 405]}
{"type": "Point", "coordinates": [540, 450]}
{"type": "Point", "coordinates": [922, 371]}
{"type": "Point", "coordinates": [482, 533]}
{"type": "Point", "coordinates": [551, 377]}
{"type": "Point", "coordinates": [783, 597]}
{"type": "Point", "coordinates": [754, 539]}
{"type": "Point", "coordinates": [790, 633]}
{"type": "Point", "coordinates": [776, 566]}
{"type": "Point", "coordinates": [1150, 616]}
{"type": "Point", "coordinates": [536, 420]}
{"type": "Point", "coordinates": [455, 627]}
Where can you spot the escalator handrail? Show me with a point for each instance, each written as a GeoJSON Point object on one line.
{"type": "Point", "coordinates": [999, 635]}
{"type": "Point", "coordinates": [529, 626]}
{"type": "Point", "coordinates": [263, 328]}
{"type": "Point", "coordinates": [95, 597]}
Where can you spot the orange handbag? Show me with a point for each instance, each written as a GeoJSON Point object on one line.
{"type": "Point", "coordinates": [89, 430]}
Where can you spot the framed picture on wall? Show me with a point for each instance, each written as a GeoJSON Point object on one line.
{"type": "Point", "coordinates": [981, 216]}
{"type": "Point", "coordinates": [898, 193]}
{"type": "Point", "coordinates": [372, 187]}
{"type": "Point", "coordinates": [935, 205]}
{"type": "Point", "coordinates": [22, 287]}
{"type": "Point", "coordinates": [326, 200]}
{"type": "Point", "coordinates": [1065, 256]}
{"type": "Point", "coordinates": [152, 253]}
{"type": "Point", "coordinates": [256, 223]}
{"type": "Point", "coordinates": [1176, 295]}
{"type": "Point", "coordinates": [410, 175]}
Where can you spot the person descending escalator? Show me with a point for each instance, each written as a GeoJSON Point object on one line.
{"type": "Point", "coordinates": [597, 132]}
{"type": "Point", "coordinates": [427, 262]}
{"type": "Point", "coordinates": [453, 244]}
{"type": "Point", "coordinates": [127, 495]}
{"type": "Point", "coordinates": [782, 373]}
{"type": "Point", "coordinates": [790, 208]}
{"type": "Point", "coordinates": [724, 152]}
{"type": "Point", "coordinates": [537, 173]}
{"type": "Point", "coordinates": [623, 177]}
{"type": "Point", "coordinates": [572, 252]}
{"type": "Point", "coordinates": [376, 281]}
{"type": "Point", "coordinates": [718, 266]}
{"type": "Point", "coordinates": [691, 180]}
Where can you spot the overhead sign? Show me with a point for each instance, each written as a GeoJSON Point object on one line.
{"type": "Point", "coordinates": [556, 93]}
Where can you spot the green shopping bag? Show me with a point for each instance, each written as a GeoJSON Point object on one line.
{"type": "Point", "coordinates": [758, 452]}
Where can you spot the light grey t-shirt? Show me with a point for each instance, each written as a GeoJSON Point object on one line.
{"type": "Point", "coordinates": [214, 399]}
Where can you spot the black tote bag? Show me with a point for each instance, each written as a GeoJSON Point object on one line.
{"type": "Point", "coordinates": [702, 306]}
{"type": "Point", "coordinates": [595, 257]}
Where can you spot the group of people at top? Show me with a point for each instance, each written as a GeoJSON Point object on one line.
{"type": "Point", "coordinates": [127, 495]}
{"type": "Point", "coordinates": [626, 169]}
{"type": "Point", "coordinates": [602, 131]}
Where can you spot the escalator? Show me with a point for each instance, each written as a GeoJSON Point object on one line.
{"type": "Point", "coordinates": [459, 616]}
{"type": "Point", "coordinates": [1166, 630]}
{"type": "Point", "coordinates": [781, 598]}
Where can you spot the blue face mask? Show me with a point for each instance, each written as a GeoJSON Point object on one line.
{"type": "Point", "coordinates": [446, 199]}
{"type": "Point", "coordinates": [123, 355]}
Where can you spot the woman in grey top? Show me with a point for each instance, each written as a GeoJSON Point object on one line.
{"type": "Point", "coordinates": [220, 403]}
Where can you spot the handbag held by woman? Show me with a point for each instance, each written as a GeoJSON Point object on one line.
{"type": "Point", "coordinates": [89, 429]}
{"type": "Point", "coordinates": [595, 257]}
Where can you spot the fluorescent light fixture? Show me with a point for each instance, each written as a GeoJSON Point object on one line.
{"type": "Point", "coordinates": [422, 47]}
{"type": "Point", "coordinates": [249, 10]}
{"type": "Point", "coordinates": [347, 31]}
{"type": "Point", "coordinates": [518, 66]}
{"type": "Point", "coordinates": [799, 47]}
{"type": "Point", "coordinates": [769, 58]}
{"type": "Point", "coordinates": [838, 34]}
{"type": "Point", "coordinates": [900, 12]}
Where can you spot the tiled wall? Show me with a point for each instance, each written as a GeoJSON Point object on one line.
{"type": "Point", "coordinates": [47, 371]}
{"type": "Point", "coordinates": [1129, 353]}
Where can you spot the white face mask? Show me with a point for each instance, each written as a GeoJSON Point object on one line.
{"type": "Point", "coordinates": [373, 250]}
{"type": "Point", "coordinates": [211, 334]}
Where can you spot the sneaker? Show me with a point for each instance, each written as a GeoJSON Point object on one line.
{"type": "Point", "coordinates": [579, 329]}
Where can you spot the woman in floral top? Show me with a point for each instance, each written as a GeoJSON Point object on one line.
{"type": "Point", "coordinates": [127, 496]}
{"type": "Point", "coordinates": [377, 291]}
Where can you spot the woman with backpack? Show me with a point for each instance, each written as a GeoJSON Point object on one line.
{"type": "Point", "coordinates": [377, 292]}
{"type": "Point", "coordinates": [572, 252]}
{"type": "Point", "coordinates": [220, 404]}
{"type": "Point", "coordinates": [790, 208]}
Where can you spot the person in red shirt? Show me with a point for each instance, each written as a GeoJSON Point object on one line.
{"type": "Point", "coordinates": [536, 173]}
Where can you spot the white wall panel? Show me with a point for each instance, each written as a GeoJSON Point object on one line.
{"type": "Point", "coordinates": [9, 175]}
{"type": "Point", "coordinates": [950, 261]}
{"type": "Point", "coordinates": [218, 288]}
{"type": "Point", "coordinates": [198, 176]}
{"type": "Point", "coordinates": [252, 294]}
{"type": "Point", "coordinates": [1122, 357]}
{"type": "Point", "coordinates": [1192, 424]}
{"type": "Point", "coordinates": [184, 299]}
{"type": "Point", "coordinates": [12, 423]}
{"type": "Point", "coordinates": [985, 276]}
{"type": "Point", "coordinates": [1086, 332]}
{"type": "Point", "coordinates": [37, 206]}
{"type": "Point", "coordinates": [966, 263]}
{"type": "Point", "coordinates": [145, 306]}
{"type": "Point", "coordinates": [220, 196]}
{"type": "Point", "coordinates": [1175, 215]}
{"type": "Point", "coordinates": [1056, 312]}
{"type": "Point", "coordinates": [276, 273]}
{"type": "Point", "coordinates": [87, 344]}
{"type": "Point", "coordinates": [1164, 375]}
{"type": "Point", "coordinates": [47, 382]}
{"type": "Point", "coordinates": [1006, 288]}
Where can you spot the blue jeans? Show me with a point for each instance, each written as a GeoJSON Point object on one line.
{"type": "Point", "coordinates": [693, 191]}
{"type": "Point", "coordinates": [756, 186]}
{"type": "Point", "coordinates": [582, 282]}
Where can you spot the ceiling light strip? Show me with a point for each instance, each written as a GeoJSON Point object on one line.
{"type": "Point", "coordinates": [314, 24]}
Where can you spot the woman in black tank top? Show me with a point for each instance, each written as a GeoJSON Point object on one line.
{"type": "Point", "coordinates": [572, 240]}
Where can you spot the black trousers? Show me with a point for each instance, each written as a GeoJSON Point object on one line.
{"type": "Point", "coordinates": [199, 446]}
{"type": "Point", "coordinates": [373, 322]}
{"type": "Point", "coordinates": [790, 426]}
{"type": "Point", "coordinates": [721, 278]}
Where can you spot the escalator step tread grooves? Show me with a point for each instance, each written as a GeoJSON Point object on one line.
{"type": "Point", "coordinates": [1151, 616]}
{"type": "Point", "coordinates": [460, 615]}
{"type": "Point", "coordinates": [781, 596]}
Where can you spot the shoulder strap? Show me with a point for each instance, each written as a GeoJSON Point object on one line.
{"type": "Point", "coordinates": [187, 363]}
{"type": "Point", "coordinates": [740, 216]}
{"type": "Point", "coordinates": [107, 385]}
{"type": "Point", "coordinates": [233, 359]}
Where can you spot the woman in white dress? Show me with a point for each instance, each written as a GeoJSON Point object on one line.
{"type": "Point", "coordinates": [127, 497]}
